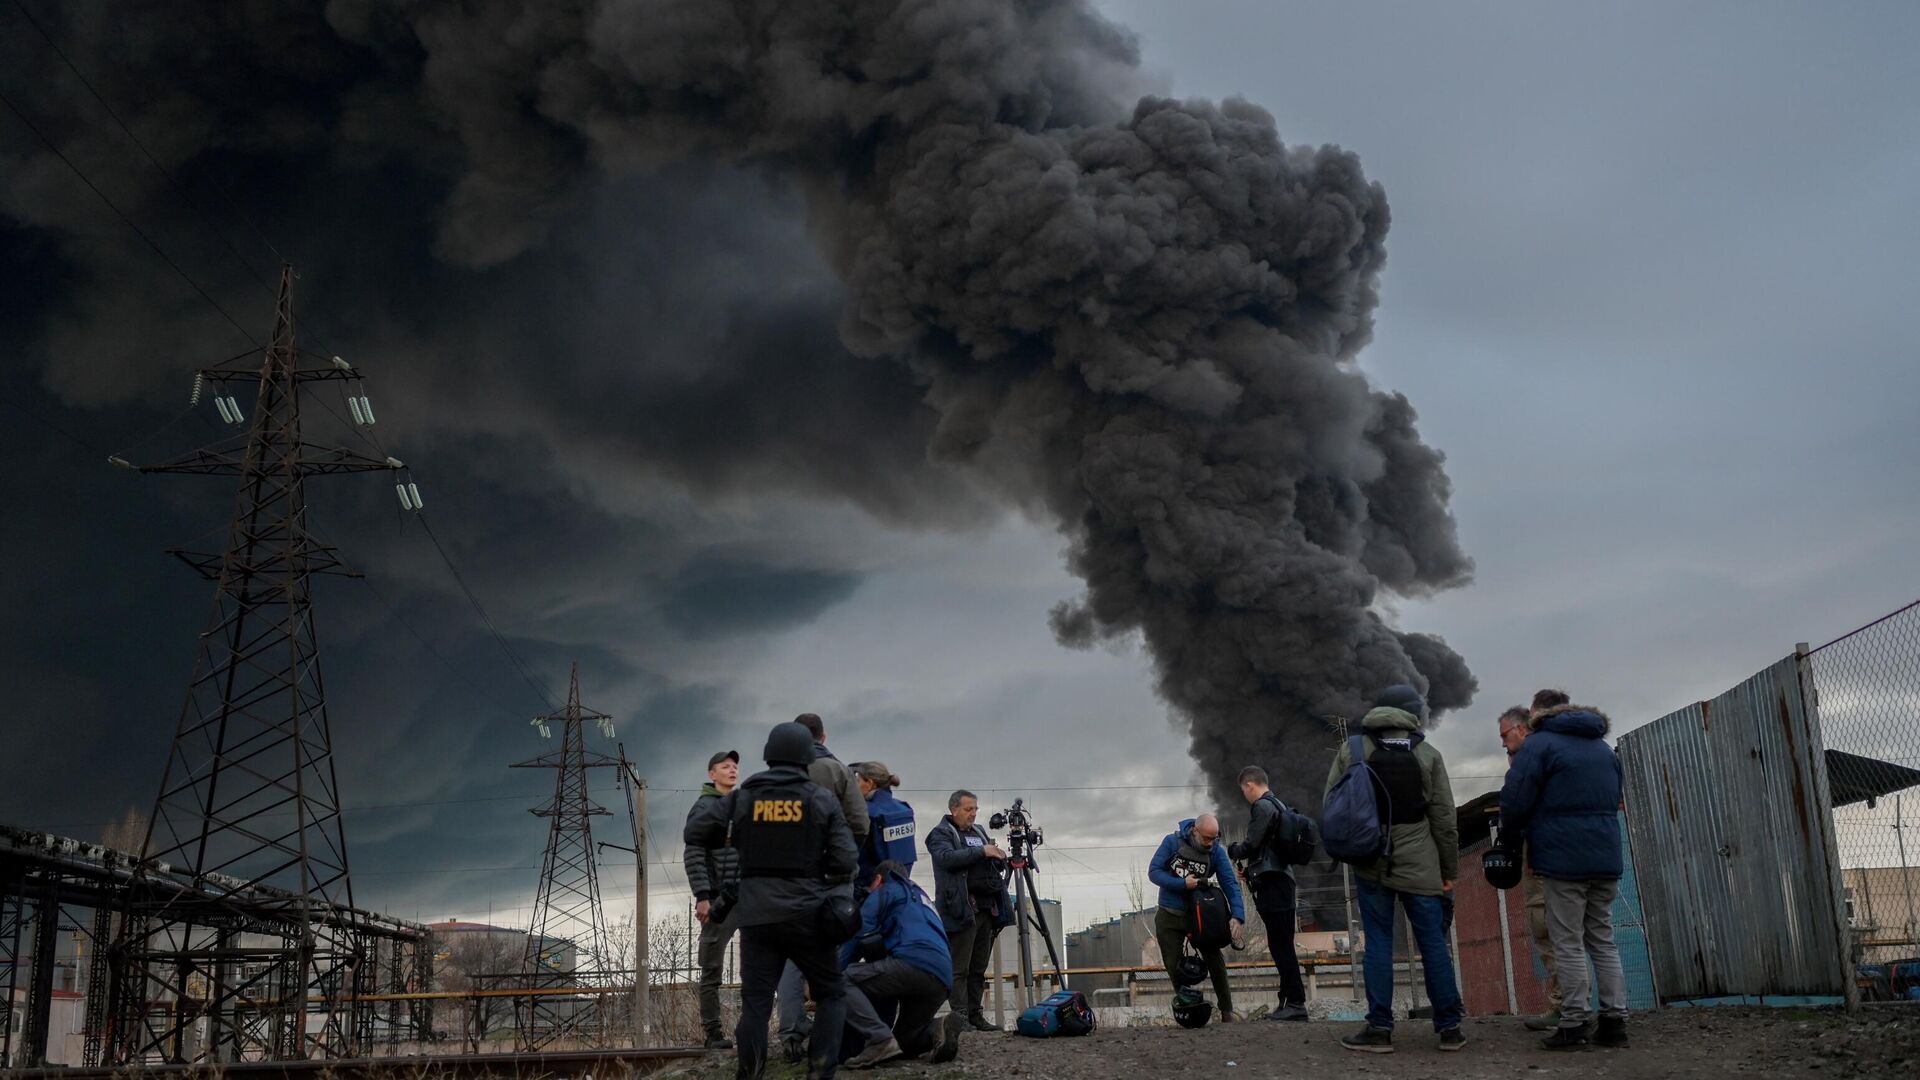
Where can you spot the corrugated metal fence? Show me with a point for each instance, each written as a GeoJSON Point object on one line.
{"type": "Point", "coordinates": [1727, 812]}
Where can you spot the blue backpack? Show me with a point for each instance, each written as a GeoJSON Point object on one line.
{"type": "Point", "coordinates": [1063, 1013]}
{"type": "Point", "coordinates": [1351, 826]}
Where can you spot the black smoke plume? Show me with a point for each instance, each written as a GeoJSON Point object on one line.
{"type": "Point", "coordinates": [1140, 321]}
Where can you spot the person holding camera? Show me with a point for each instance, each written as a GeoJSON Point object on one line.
{"type": "Point", "coordinates": [970, 891]}
{"type": "Point", "coordinates": [890, 827]}
{"type": "Point", "coordinates": [1188, 858]}
{"type": "Point", "coordinates": [1270, 878]}
{"type": "Point", "coordinates": [1514, 730]}
{"type": "Point", "coordinates": [899, 962]}
{"type": "Point", "coordinates": [711, 871]}
{"type": "Point", "coordinates": [794, 901]}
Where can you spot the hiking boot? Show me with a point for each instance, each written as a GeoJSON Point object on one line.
{"type": "Point", "coordinates": [1370, 1040]}
{"type": "Point", "coordinates": [874, 1054]}
{"type": "Point", "coordinates": [717, 1041]}
{"type": "Point", "coordinates": [1453, 1039]}
{"type": "Point", "coordinates": [1568, 1038]}
{"type": "Point", "coordinates": [1546, 1021]}
{"type": "Point", "coordinates": [1612, 1033]}
{"type": "Point", "coordinates": [949, 1047]}
{"type": "Point", "coordinates": [793, 1048]}
{"type": "Point", "coordinates": [980, 1022]}
{"type": "Point", "coordinates": [1290, 1012]}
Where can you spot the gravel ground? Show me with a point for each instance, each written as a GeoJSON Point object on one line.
{"type": "Point", "coordinates": [1719, 1043]}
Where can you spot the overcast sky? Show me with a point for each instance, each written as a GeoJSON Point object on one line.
{"type": "Point", "coordinates": [1648, 285]}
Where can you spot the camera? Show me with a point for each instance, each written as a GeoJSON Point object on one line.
{"type": "Point", "coordinates": [1021, 831]}
{"type": "Point", "coordinates": [722, 904]}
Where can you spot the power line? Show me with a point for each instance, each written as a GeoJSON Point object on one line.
{"type": "Point", "coordinates": [129, 222]}
{"type": "Point", "coordinates": [459, 579]}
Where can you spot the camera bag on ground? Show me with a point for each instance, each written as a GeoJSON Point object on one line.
{"type": "Point", "coordinates": [1063, 1013]}
{"type": "Point", "coordinates": [1210, 924]}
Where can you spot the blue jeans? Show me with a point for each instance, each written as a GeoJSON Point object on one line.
{"type": "Point", "coordinates": [1428, 916]}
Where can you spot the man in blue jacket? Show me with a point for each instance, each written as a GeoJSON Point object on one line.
{"type": "Point", "coordinates": [1188, 858]}
{"type": "Point", "coordinates": [1562, 796]}
{"type": "Point", "coordinates": [909, 970]}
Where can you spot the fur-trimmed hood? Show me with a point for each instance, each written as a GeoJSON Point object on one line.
{"type": "Point", "coordinates": [1584, 720]}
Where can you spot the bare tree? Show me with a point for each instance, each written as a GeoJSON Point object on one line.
{"type": "Point", "coordinates": [1137, 889]}
{"type": "Point", "coordinates": [128, 834]}
{"type": "Point", "coordinates": [460, 961]}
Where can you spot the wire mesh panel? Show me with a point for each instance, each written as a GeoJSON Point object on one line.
{"type": "Point", "coordinates": [1869, 692]}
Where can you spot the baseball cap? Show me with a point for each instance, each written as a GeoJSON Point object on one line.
{"type": "Point", "coordinates": [724, 755]}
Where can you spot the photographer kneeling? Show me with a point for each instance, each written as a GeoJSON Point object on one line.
{"type": "Point", "coordinates": [898, 961]}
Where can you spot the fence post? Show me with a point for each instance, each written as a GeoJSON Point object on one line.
{"type": "Point", "coordinates": [1823, 799]}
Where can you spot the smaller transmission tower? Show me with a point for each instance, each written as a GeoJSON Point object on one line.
{"type": "Point", "coordinates": [567, 936]}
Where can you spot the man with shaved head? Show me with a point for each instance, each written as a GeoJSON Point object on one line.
{"type": "Point", "coordinates": [1189, 857]}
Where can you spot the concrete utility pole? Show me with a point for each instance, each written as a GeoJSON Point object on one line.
{"type": "Point", "coordinates": [637, 808]}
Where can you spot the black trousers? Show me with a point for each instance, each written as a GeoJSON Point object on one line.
{"type": "Point", "coordinates": [972, 951]}
{"type": "Point", "coordinates": [764, 952]}
{"type": "Point", "coordinates": [1273, 898]}
{"type": "Point", "coordinates": [892, 987]}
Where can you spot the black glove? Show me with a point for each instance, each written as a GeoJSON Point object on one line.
{"type": "Point", "coordinates": [872, 947]}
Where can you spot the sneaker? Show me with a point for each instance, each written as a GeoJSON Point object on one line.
{"type": "Point", "coordinates": [1370, 1040]}
{"type": "Point", "coordinates": [980, 1022]}
{"type": "Point", "coordinates": [1612, 1033]}
{"type": "Point", "coordinates": [793, 1048]}
{"type": "Point", "coordinates": [1567, 1038]}
{"type": "Point", "coordinates": [1290, 1012]}
{"type": "Point", "coordinates": [717, 1041]}
{"type": "Point", "coordinates": [949, 1047]}
{"type": "Point", "coordinates": [885, 1050]}
{"type": "Point", "coordinates": [1453, 1039]}
{"type": "Point", "coordinates": [1546, 1021]}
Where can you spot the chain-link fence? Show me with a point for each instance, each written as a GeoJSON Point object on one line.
{"type": "Point", "coordinates": [1868, 684]}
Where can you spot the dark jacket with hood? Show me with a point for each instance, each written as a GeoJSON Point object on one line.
{"type": "Point", "coordinates": [953, 853]}
{"type": "Point", "coordinates": [827, 771]}
{"type": "Point", "coordinates": [1427, 852]}
{"type": "Point", "coordinates": [1263, 820]}
{"type": "Point", "coordinates": [1562, 796]}
{"type": "Point", "coordinates": [710, 870]}
{"type": "Point", "coordinates": [907, 923]}
{"type": "Point", "coordinates": [1170, 866]}
{"type": "Point", "coordinates": [766, 900]}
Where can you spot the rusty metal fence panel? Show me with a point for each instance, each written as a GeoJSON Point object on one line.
{"type": "Point", "coordinates": [1869, 704]}
{"type": "Point", "coordinates": [1733, 846]}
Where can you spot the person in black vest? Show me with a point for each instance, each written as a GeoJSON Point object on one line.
{"type": "Point", "coordinates": [795, 852]}
{"type": "Point", "coordinates": [1271, 880]}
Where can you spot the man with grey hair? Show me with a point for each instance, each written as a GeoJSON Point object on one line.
{"type": "Point", "coordinates": [1188, 858]}
{"type": "Point", "coordinates": [1514, 728]}
{"type": "Point", "coordinates": [970, 891]}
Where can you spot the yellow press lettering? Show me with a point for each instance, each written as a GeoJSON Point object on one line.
{"type": "Point", "coordinates": [778, 810]}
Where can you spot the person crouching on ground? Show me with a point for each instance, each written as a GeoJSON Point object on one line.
{"type": "Point", "coordinates": [1187, 858]}
{"type": "Point", "coordinates": [899, 961]}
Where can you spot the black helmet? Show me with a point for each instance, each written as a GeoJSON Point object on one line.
{"type": "Point", "coordinates": [1502, 867]}
{"type": "Point", "coordinates": [789, 744]}
{"type": "Point", "coordinates": [1190, 1010]}
{"type": "Point", "coordinates": [1190, 971]}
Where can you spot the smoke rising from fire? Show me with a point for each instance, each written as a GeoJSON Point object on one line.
{"type": "Point", "coordinates": [1138, 318]}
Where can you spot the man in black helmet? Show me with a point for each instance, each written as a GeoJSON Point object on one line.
{"type": "Point", "coordinates": [795, 853]}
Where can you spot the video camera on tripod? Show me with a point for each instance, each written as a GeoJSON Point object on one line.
{"type": "Point", "coordinates": [1022, 837]}
{"type": "Point", "coordinates": [1022, 834]}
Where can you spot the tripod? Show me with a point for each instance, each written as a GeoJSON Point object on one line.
{"type": "Point", "coordinates": [1026, 908]}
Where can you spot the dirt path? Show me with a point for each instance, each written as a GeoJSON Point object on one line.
{"type": "Point", "coordinates": [1720, 1043]}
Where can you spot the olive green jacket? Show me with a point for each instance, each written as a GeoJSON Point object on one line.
{"type": "Point", "coordinates": [1424, 852]}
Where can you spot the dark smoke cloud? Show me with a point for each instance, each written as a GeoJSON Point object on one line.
{"type": "Point", "coordinates": [1141, 322]}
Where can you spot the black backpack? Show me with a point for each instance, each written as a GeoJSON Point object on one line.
{"type": "Point", "coordinates": [1210, 923]}
{"type": "Point", "coordinates": [1295, 836]}
{"type": "Point", "coordinates": [1398, 775]}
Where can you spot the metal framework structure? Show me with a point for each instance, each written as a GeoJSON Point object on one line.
{"type": "Point", "coordinates": [568, 922]}
{"type": "Point", "coordinates": [264, 956]}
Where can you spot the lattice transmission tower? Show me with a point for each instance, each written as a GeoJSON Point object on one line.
{"type": "Point", "coordinates": [240, 940]}
{"type": "Point", "coordinates": [567, 936]}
